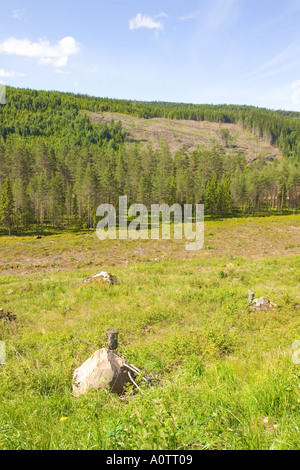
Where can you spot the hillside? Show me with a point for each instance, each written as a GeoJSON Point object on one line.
{"type": "Point", "coordinates": [191, 134]}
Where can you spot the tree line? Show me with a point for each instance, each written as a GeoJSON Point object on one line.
{"type": "Point", "coordinates": [57, 167]}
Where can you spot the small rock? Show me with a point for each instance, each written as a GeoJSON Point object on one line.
{"type": "Point", "coordinates": [10, 292]}
{"type": "Point", "coordinates": [107, 277]}
{"type": "Point", "coordinates": [103, 276]}
{"type": "Point", "coordinates": [263, 304]}
{"type": "Point", "coordinates": [230, 266]}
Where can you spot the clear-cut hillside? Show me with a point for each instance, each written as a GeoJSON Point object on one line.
{"type": "Point", "coordinates": [190, 134]}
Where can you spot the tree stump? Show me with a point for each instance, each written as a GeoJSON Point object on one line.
{"type": "Point", "coordinates": [112, 339]}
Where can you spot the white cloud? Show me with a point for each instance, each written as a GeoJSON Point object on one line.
{"type": "Point", "coordinates": [62, 72]}
{"type": "Point", "coordinates": [223, 13]}
{"type": "Point", "coordinates": [56, 55]}
{"type": "Point", "coordinates": [10, 74]}
{"type": "Point", "coordinates": [93, 70]}
{"type": "Point", "coordinates": [144, 21]}
{"type": "Point", "coordinates": [19, 14]}
{"type": "Point", "coordinates": [191, 16]}
{"type": "Point", "coordinates": [289, 54]}
{"type": "Point", "coordinates": [285, 60]}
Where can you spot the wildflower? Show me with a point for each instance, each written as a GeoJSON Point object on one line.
{"type": "Point", "coordinates": [63, 419]}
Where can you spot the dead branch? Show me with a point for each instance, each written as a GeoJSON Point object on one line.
{"type": "Point", "coordinates": [134, 383]}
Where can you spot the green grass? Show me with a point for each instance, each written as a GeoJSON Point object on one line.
{"type": "Point", "coordinates": [224, 376]}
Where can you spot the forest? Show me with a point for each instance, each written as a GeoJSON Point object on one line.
{"type": "Point", "coordinates": [57, 166]}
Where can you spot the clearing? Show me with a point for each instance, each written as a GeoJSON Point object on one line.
{"type": "Point", "coordinates": [191, 134]}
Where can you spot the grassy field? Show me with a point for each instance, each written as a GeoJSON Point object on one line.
{"type": "Point", "coordinates": [223, 374]}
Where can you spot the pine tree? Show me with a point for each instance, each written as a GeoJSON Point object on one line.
{"type": "Point", "coordinates": [211, 194]}
{"type": "Point", "coordinates": [7, 205]}
{"type": "Point", "coordinates": [90, 189]}
{"type": "Point", "coordinates": [164, 176]}
{"type": "Point", "coordinates": [224, 197]}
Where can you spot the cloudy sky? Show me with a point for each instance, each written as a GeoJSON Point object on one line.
{"type": "Point", "coordinates": [195, 51]}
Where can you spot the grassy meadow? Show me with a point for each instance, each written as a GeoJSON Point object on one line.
{"type": "Point", "coordinates": [223, 375]}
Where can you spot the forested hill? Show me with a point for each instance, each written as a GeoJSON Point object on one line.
{"type": "Point", "coordinates": [41, 113]}
{"type": "Point", "coordinates": [57, 166]}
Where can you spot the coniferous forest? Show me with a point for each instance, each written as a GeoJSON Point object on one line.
{"type": "Point", "coordinates": [57, 166]}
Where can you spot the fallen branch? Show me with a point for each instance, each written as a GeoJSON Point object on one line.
{"type": "Point", "coordinates": [136, 371]}
{"type": "Point", "coordinates": [177, 376]}
{"type": "Point", "coordinates": [134, 383]}
{"type": "Point", "coordinates": [135, 368]}
{"type": "Point", "coordinates": [82, 280]}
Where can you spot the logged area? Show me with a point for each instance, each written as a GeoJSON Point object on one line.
{"type": "Point", "coordinates": [275, 236]}
{"type": "Point", "coordinates": [191, 134]}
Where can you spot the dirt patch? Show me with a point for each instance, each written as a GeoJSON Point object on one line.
{"type": "Point", "coordinates": [7, 316]}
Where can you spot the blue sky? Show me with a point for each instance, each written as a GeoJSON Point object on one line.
{"type": "Point", "coordinates": [193, 51]}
